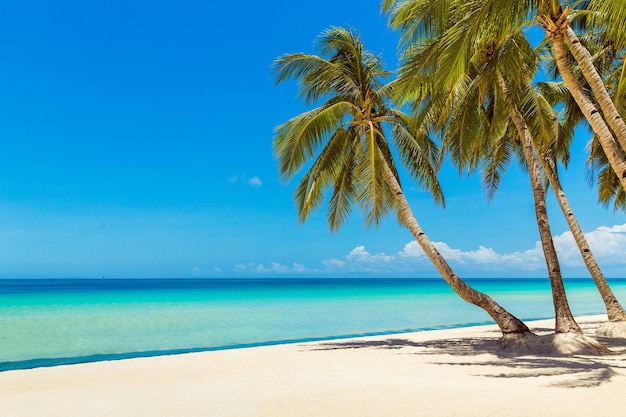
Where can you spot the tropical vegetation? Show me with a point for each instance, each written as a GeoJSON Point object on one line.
{"type": "Point", "coordinates": [467, 81]}
{"type": "Point", "coordinates": [349, 138]}
{"type": "Point", "coordinates": [456, 54]}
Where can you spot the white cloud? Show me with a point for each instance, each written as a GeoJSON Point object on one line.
{"type": "Point", "coordinates": [242, 267]}
{"type": "Point", "coordinates": [607, 243]}
{"type": "Point", "coordinates": [253, 182]}
{"type": "Point", "coordinates": [358, 260]}
{"type": "Point", "coordinates": [359, 254]}
{"type": "Point", "coordinates": [488, 258]}
{"type": "Point", "coordinates": [333, 264]}
{"type": "Point", "coordinates": [196, 270]}
{"type": "Point", "coordinates": [530, 259]}
{"type": "Point", "coordinates": [273, 268]}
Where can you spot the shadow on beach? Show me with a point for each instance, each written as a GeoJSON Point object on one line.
{"type": "Point", "coordinates": [577, 371]}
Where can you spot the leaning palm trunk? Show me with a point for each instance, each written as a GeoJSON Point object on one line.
{"type": "Point", "coordinates": [508, 323]}
{"type": "Point", "coordinates": [565, 322]}
{"type": "Point", "coordinates": [597, 123]}
{"type": "Point", "coordinates": [614, 309]}
{"type": "Point", "coordinates": [590, 73]}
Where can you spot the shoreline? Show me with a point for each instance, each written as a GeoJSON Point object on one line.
{"type": "Point", "coordinates": [448, 372]}
{"type": "Point", "coordinates": [37, 363]}
{"type": "Point", "coordinates": [28, 364]}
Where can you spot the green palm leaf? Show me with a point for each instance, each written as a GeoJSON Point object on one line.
{"type": "Point", "coordinates": [345, 139]}
{"type": "Point", "coordinates": [296, 141]}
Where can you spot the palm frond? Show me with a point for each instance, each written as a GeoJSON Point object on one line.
{"type": "Point", "coordinates": [316, 76]}
{"type": "Point", "coordinates": [343, 194]}
{"type": "Point", "coordinates": [541, 120]}
{"type": "Point", "coordinates": [497, 161]}
{"type": "Point", "coordinates": [419, 153]}
{"type": "Point", "coordinates": [371, 187]}
{"type": "Point", "coordinates": [329, 164]}
{"type": "Point", "coordinates": [297, 140]}
{"type": "Point", "coordinates": [345, 139]}
{"type": "Point", "coordinates": [419, 19]}
{"type": "Point", "coordinates": [600, 172]}
{"type": "Point", "coordinates": [610, 17]}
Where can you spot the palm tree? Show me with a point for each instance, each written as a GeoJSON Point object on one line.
{"type": "Point", "coordinates": [481, 96]}
{"type": "Point", "coordinates": [493, 18]}
{"type": "Point", "coordinates": [556, 22]}
{"type": "Point", "coordinates": [608, 59]}
{"type": "Point", "coordinates": [487, 92]}
{"type": "Point", "coordinates": [614, 153]}
{"type": "Point", "coordinates": [556, 93]}
{"type": "Point", "coordinates": [615, 311]}
{"type": "Point", "coordinates": [347, 139]}
{"type": "Point", "coordinates": [607, 14]}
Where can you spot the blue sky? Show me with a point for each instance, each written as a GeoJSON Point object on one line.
{"type": "Point", "coordinates": [136, 142]}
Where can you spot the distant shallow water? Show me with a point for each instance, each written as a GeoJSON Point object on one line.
{"type": "Point", "coordinates": [50, 322]}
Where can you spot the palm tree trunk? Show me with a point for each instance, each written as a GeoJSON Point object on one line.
{"type": "Point", "coordinates": [508, 323]}
{"type": "Point", "coordinates": [597, 123]}
{"type": "Point", "coordinates": [585, 62]}
{"type": "Point", "coordinates": [614, 309]}
{"type": "Point", "coordinates": [565, 322]}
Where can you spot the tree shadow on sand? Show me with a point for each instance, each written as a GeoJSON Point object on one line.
{"type": "Point", "coordinates": [577, 371]}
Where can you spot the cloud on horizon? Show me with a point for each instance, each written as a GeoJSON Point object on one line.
{"type": "Point", "coordinates": [607, 243]}
{"type": "Point", "coordinates": [273, 268]}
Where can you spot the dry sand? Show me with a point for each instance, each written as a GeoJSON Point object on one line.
{"type": "Point", "coordinates": [454, 373]}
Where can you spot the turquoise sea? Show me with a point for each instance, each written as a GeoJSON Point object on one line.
{"type": "Point", "coordinates": [50, 322]}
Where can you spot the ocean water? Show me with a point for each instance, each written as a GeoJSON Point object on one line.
{"type": "Point", "coordinates": [50, 322]}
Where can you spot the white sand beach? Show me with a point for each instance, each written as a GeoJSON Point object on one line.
{"type": "Point", "coordinates": [454, 373]}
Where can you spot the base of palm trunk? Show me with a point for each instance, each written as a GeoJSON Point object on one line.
{"type": "Point", "coordinates": [557, 344]}
{"type": "Point", "coordinates": [612, 329]}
